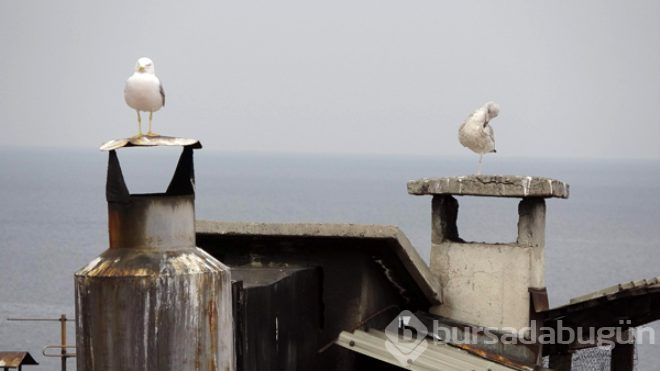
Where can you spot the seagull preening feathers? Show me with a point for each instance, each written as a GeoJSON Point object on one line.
{"type": "Point", "coordinates": [476, 133]}
{"type": "Point", "coordinates": [144, 92]}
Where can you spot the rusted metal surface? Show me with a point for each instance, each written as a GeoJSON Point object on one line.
{"type": "Point", "coordinates": [436, 356]}
{"type": "Point", "coordinates": [539, 302]}
{"type": "Point", "coordinates": [622, 289]}
{"type": "Point", "coordinates": [539, 299]}
{"type": "Point", "coordinates": [505, 361]}
{"type": "Point", "coordinates": [279, 317]}
{"type": "Point", "coordinates": [149, 141]}
{"type": "Point", "coordinates": [175, 321]}
{"type": "Point", "coordinates": [517, 355]}
{"type": "Point", "coordinates": [622, 306]}
{"type": "Point", "coordinates": [16, 359]}
{"type": "Point", "coordinates": [146, 221]}
{"type": "Point", "coordinates": [153, 301]}
{"type": "Point", "coordinates": [237, 302]}
{"type": "Point", "coordinates": [637, 302]}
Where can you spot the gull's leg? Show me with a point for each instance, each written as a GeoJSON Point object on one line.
{"type": "Point", "coordinates": [481, 157]}
{"type": "Point", "coordinates": [139, 134]}
{"type": "Point", "coordinates": [151, 133]}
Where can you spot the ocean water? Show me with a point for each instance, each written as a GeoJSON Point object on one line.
{"type": "Point", "coordinates": [53, 217]}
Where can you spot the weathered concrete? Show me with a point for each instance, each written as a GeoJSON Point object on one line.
{"type": "Point", "coordinates": [490, 186]}
{"type": "Point", "coordinates": [444, 212]}
{"type": "Point", "coordinates": [531, 222]}
{"type": "Point", "coordinates": [488, 284]}
{"type": "Point", "coordinates": [531, 237]}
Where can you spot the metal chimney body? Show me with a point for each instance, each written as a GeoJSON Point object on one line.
{"type": "Point", "coordinates": [153, 301]}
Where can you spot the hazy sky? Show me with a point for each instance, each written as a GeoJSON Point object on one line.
{"type": "Point", "coordinates": [573, 79]}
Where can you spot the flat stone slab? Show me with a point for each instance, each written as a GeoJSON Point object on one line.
{"type": "Point", "coordinates": [490, 186]}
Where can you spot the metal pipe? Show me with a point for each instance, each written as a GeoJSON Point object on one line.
{"type": "Point", "coordinates": [63, 355]}
{"type": "Point", "coordinates": [63, 340]}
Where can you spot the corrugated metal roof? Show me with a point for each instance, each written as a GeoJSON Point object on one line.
{"type": "Point", "coordinates": [516, 355]}
{"type": "Point", "coordinates": [626, 305]}
{"type": "Point", "coordinates": [620, 288]}
{"type": "Point", "coordinates": [15, 359]}
{"type": "Point", "coordinates": [437, 356]}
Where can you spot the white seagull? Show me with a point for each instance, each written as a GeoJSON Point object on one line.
{"type": "Point", "coordinates": [144, 92]}
{"type": "Point", "coordinates": [476, 134]}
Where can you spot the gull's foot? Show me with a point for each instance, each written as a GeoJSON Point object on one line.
{"type": "Point", "coordinates": [152, 134]}
{"type": "Point", "coordinates": [140, 134]}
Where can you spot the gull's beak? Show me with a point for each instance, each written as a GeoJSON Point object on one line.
{"type": "Point", "coordinates": [140, 69]}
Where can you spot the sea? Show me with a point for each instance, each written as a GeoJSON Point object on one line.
{"type": "Point", "coordinates": [53, 217]}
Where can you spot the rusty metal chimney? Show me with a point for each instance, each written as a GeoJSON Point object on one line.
{"type": "Point", "coordinates": [153, 300]}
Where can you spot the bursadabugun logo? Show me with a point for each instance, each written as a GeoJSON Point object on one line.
{"type": "Point", "coordinates": [406, 338]}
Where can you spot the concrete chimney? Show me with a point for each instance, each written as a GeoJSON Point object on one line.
{"type": "Point", "coordinates": [488, 284]}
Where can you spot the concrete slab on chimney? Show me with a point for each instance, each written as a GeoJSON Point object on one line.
{"type": "Point", "coordinates": [490, 186]}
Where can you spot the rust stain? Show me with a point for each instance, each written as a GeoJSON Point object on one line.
{"type": "Point", "coordinates": [16, 359]}
{"type": "Point", "coordinates": [213, 328]}
{"type": "Point", "coordinates": [494, 357]}
{"type": "Point", "coordinates": [114, 222]}
{"type": "Point", "coordinates": [198, 356]}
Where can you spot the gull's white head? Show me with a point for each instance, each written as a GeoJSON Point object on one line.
{"type": "Point", "coordinates": [493, 109]}
{"type": "Point", "coordinates": [144, 65]}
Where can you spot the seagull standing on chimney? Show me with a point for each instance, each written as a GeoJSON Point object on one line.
{"type": "Point", "coordinates": [144, 92]}
{"type": "Point", "coordinates": [476, 133]}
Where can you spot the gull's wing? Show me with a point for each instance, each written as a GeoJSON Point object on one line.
{"type": "Point", "coordinates": [162, 92]}
{"type": "Point", "coordinates": [490, 132]}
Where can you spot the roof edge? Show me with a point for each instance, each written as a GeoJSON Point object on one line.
{"type": "Point", "coordinates": [407, 253]}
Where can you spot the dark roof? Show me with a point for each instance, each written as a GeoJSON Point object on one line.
{"type": "Point", "coordinates": [393, 239]}
{"type": "Point", "coordinates": [637, 301]}
{"type": "Point", "coordinates": [361, 275]}
{"type": "Point", "coordinates": [16, 359]}
{"type": "Point", "coordinates": [626, 305]}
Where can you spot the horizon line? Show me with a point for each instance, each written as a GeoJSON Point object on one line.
{"type": "Point", "coordinates": [347, 153]}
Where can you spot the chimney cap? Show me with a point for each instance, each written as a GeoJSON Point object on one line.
{"type": "Point", "coordinates": [150, 141]}
{"type": "Point", "coordinates": [490, 186]}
